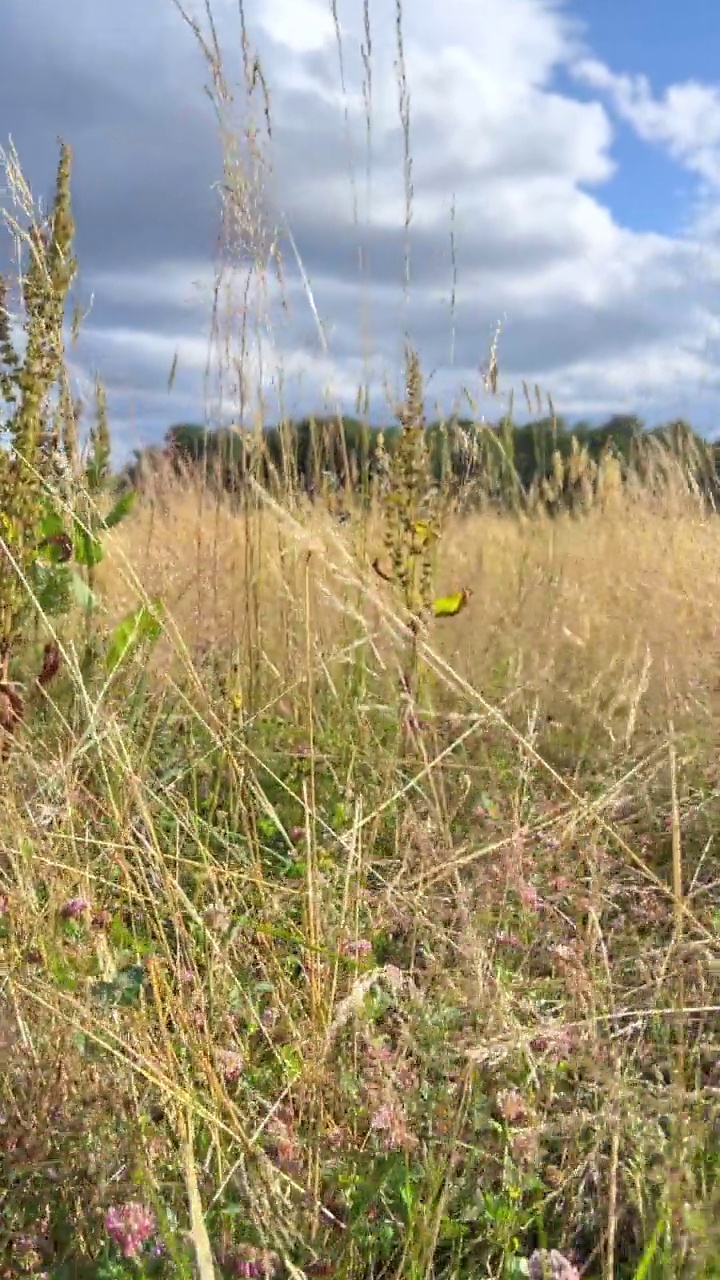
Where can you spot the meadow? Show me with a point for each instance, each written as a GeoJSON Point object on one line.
{"type": "Point", "coordinates": [359, 889]}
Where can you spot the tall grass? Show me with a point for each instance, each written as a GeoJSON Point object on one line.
{"type": "Point", "coordinates": [340, 938]}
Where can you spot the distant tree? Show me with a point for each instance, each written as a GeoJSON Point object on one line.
{"type": "Point", "coordinates": [324, 453]}
{"type": "Point", "coordinates": [187, 441]}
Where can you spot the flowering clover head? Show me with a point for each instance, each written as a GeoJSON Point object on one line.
{"type": "Point", "coordinates": [74, 908]}
{"type": "Point", "coordinates": [356, 948]}
{"type": "Point", "coordinates": [550, 1264]}
{"type": "Point", "coordinates": [130, 1226]}
{"type": "Point", "coordinates": [231, 1064]}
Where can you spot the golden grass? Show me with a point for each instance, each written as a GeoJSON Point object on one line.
{"type": "Point", "coordinates": [615, 608]}
{"type": "Point", "coordinates": [575, 696]}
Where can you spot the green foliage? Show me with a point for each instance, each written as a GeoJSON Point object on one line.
{"type": "Point", "coordinates": [26, 384]}
{"type": "Point", "coordinates": [142, 627]}
{"type": "Point", "coordinates": [124, 989]}
{"type": "Point", "coordinates": [51, 503]}
{"type": "Point", "coordinates": [122, 508]}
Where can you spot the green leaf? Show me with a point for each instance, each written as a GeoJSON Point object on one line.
{"type": "Point", "coordinates": [52, 587]}
{"type": "Point", "coordinates": [291, 1062]}
{"type": "Point", "coordinates": [142, 626]}
{"type": "Point", "coordinates": [88, 549]}
{"type": "Point", "coordinates": [124, 989]}
{"type": "Point", "coordinates": [653, 1245]}
{"type": "Point", "coordinates": [121, 509]}
{"type": "Point", "coordinates": [51, 524]}
{"type": "Point", "coordinates": [81, 592]}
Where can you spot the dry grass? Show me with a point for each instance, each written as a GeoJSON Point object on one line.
{"type": "Point", "coordinates": [337, 942]}
{"type": "Point", "coordinates": [452, 959]}
{"type": "Point", "coordinates": [611, 608]}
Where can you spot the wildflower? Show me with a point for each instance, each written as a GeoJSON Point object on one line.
{"type": "Point", "coordinates": [550, 842]}
{"type": "Point", "coordinates": [550, 1264]}
{"type": "Point", "coordinates": [394, 977]}
{"type": "Point", "coordinates": [525, 1146]}
{"type": "Point", "coordinates": [217, 918]}
{"type": "Point", "coordinates": [565, 952]}
{"type": "Point", "coordinates": [356, 948]}
{"type": "Point", "coordinates": [383, 1118]}
{"type": "Point", "coordinates": [529, 896]}
{"type": "Point", "coordinates": [378, 1053]}
{"type": "Point", "coordinates": [130, 1226]}
{"type": "Point", "coordinates": [561, 884]}
{"type": "Point", "coordinates": [283, 1147]}
{"type": "Point", "coordinates": [231, 1064]}
{"type": "Point", "coordinates": [336, 1138]}
{"type": "Point", "coordinates": [512, 1106]}
{"type": "Point", "coordinates": [390, 1121]}
{"type": "Point", "coordinates": [74, 908]}
{"type": "Point", "coordinates": [33, 1249]}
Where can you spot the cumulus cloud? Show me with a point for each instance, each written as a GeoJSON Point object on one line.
{"type": "Point", "coordinates": [685, 119]}
{"type": "Point", "coordinates": [602, 316]}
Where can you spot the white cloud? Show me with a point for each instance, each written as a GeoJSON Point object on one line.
{"type": "Point", "coordinates": [271, 370]}
{"type": "Point", "coordinates": [601, 315]}
{"type": "Point", "coordinates": [303, 26]}
{"type": "Point", "coordinates": [537, 244]}
{"type": "Point", "coordinates": [685, 119]}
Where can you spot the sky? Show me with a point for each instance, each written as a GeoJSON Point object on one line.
{"type": "Point", "coordinates": [565, 190]}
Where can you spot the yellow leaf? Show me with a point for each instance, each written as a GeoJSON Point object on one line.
{"type": "Point", "coordinates": [423, 533]}
{"type": "Point", "coordinates": [449, 606]}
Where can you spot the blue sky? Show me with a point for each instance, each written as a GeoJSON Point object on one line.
{"type": "Point", "coordinates": [648, 191]}
{"type": "Point", "coordinates": [580, 140]}
{"type": "Point", "coordinates": [669, 43]}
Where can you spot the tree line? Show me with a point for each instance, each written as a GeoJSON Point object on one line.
{"type": "Point", "coordinates": [320, 453]}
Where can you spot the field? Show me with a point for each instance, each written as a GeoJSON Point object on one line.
{"type": "Point", "coordinates": [337, 976]}
{"type": "Point", "coordinates": [359, 880]}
